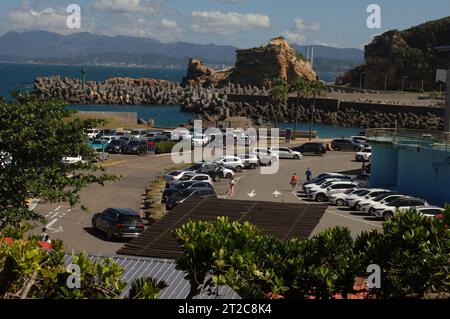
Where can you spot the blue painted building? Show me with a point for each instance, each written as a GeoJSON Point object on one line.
{"type": "Point", "coordinates": [412, 168]}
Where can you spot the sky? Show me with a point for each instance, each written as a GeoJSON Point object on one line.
{"type": "Point", "coordinates": [241, 23]}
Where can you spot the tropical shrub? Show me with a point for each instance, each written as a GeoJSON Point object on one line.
{"type": "Point", "coordinates": [164, 147]}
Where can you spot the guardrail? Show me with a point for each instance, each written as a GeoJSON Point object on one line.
{"type": "Point", "coordinates": [436, 140]}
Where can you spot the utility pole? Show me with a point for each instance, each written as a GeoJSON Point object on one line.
{"type": "Point", "coordinates": [312, 56]}
{"type": "Point", "coordinates": [361, 80]}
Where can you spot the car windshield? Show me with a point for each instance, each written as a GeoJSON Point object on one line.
{"type": "Point", "coordinates": [175, 173]}
{"type": "Point", "coordinates": [391, 199]}
{"type": "Point", "coordinates": [186, 177]}
{"type": "Point", "coordinates": [135, 132]}
{"type": "Point", "coordinates": [363, 193]}
{"type": "Point", "coordinates": [134, 143]}
{"type": "Point", "coordinates": [349, 191]}
{"type": "Point", "coordinates": [381, 197]}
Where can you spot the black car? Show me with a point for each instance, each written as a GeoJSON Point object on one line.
{"type": "Point", "coordinates": [115, 147]}
{"type": "Point", "coordinates": [214, 170]}
{"type": "Point", "coordinates": [179, 198]}
{"type": "Point", "coordinates": [180, 187]}
{"type": "Point", "coordinates": [347, 145]}
{"type": "Point", "coordinates": [118, 222]}
{"type": "Point", "coordinates": [135, 147]}
{"type": "Point", "coordinates": [311, 148]}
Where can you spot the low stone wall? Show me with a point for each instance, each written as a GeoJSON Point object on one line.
{"type": "Point", "coordinates": [213, 104]}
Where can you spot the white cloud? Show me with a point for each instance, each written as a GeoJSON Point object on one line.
{"type": "Point", "coordinates": [49, 19]}
{"type": "Point", "coordinates": [125, 6]}
{"type": "Point", "coordinates": [216, 22]}
{"type": "Point", "coordinates": [164, 30]}
{"type": "Point", "coordinates": [293, 37]}
{"type": "Point", "coordinates": [301, 26]}
{"type": "Point", "coordinates": [327, 44]}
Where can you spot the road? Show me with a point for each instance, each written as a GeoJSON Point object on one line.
{"type": "Point", "coordinates": [73, 225]}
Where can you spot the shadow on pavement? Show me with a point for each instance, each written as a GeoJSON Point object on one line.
{"type": "Point", "coordinates": [102, 236]}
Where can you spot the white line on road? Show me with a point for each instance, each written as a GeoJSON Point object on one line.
{"type": "Point", "coordinates": [57, 208]}
{"type": "Point", "coordinates": [356, 219]}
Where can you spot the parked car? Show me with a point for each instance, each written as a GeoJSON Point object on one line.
{"type": "Point", "coordinates": [347, 145]}
{"type": "Point", "coordinates": [155, 134]}
{"type": "Point", "coordinates": [364, 155]}
{"type": "Point", "coordinates": [360, 139]}
{"type": "Point", "coordinates": [250, 161]}
{"type": "Point", "coordinates": [353, 201]}
{"type": "Point", "coordinates": [115, 147]}
{"type": "Point", "coordinates": [138, 133]}
{"type": "Point", "coordinates": [285, 152]}
{"type": "Point", "coordinates": [135, 147]}
{"type": "Point", "coordinates": [265, 156]}
{"type": "Point", "coordinates": [213, 169]}
{"type": "Point", "coordinates": [106, 132]}
{"type": "Point", "coordinates": [315, 185]}
{"type": "Point", "coordinates": [179, 135]}
{"type": "Point", "coordinates": [363, 204]}
{"type": "Point", "coordinates": [99, 145]}
{"type": "Point", "coordinates": [311, 148]}
{"type": "Point", "coordinates": [339, 199]}
{"type": "Point", "coordinates": [387, 211]}
{"type": "Point", "coordinates": [199, 140]}
{"type": "Point", "coordinates": [369, 207]}
{"type": "Point", "coordinates": [430, 211]}
{"type": "Point", "coordinates": [175, 200]}
{"type": "Point", "coordinates": [127, 138]}
{"type": "Point", "coordinates": [321, 194]}
{"type": "Point", "coordinates": [197, 177]}
{"type": "Point", "coordinates": [179, 187]}
{"type": "Point", "coordinates": [118, 222]}
{"type": "Point", "coordinates": [323, 176]}
{"type": "Point", "coordinates": [107, 138]}
{"type": "Point", "coordinates": [232, 161]}
{"type": "Point", "coordinates": [92, 133]}
{"type": "Point", "coordinates": [72, 160]}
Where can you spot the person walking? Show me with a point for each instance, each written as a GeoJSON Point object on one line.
{"type": "Point", "coordinates": [231, 186]}
{"type": "Point", "coordinates": [308, 174]}
{"type": "Point", "coordinates": [44, 236]}
{"type": "Point", "coordinates": [294, 181]}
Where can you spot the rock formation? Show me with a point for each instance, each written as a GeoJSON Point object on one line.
{"type": "Point", "coordinates": [255, 67]}
{"type": "Point", "coordinates": [402, 56]}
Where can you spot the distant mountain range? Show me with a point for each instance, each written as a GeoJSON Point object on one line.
{"type": "Point", "coordinates": [87, 48]}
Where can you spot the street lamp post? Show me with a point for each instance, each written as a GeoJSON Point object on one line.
{"type": "Point", "coordinates": [403, 82]}
{"type": "Point", "coordinates": [361, 80]}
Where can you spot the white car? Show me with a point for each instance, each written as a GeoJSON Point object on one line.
{"type": "Point", "coordinates": [354, 200]}
{"type": "Point", "coordinates": [323, 176]}
{"type": "Point", "coordinates": [430, 211]}
{"type": "Point", "coordinates": [322, 194]}
{"type": "Point", "coordinates": [175, 175]}
{"type": "Point", "coordinates": [190, 176]}
{"type": "Point", "coordinates": [339, 199]}
{"type": "Point", "coordinates": [108, 138]}
{"type": "Point", "coordinates": [387, 211]}
{"type": "Point", "coordinates": [232, 161]}
{"type": "Point", "coordinates": [359, 139]}
{"type": "Point", "coordinates": [199, 140]}
{"type": "Point", "coordinates": [178, 135]}
{"type": "Point", "coordinates": [265, 156]}
{"type": "Point", "coordinates": [92, 133]}
{"type": "Point", "coordinates": [250, 161]}
{"type": "Point", "coordinates": [313, 187]}
{"type": "Point", "coordinates": [284, 152]}
{"type": "Point", "coordinates": [366, 206]}
{"type": "Point", "coordinates": [71, 160]}
{"type": "Point", "coordinates": [364, 155]}
{"type": "Point", "coordinates": [138, 133]}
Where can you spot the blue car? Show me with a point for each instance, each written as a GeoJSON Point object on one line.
{"type": "Point", "coordinates": [99, 145]}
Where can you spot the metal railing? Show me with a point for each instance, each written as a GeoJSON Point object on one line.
{"type": "Point", "coordinates": [436, 140]}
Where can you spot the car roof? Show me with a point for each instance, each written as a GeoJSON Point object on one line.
{"type": "Point", "coordinates": [430, 207]}
{"type": "Point", "coordinates": [125, 211]}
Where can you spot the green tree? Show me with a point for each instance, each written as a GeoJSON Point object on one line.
{"type": "Point", "coordinates": [278, 96]}
{"type": "Point", "coordinates": [300, 86]}
{"type": "Point", "coordinates": [35, 138]}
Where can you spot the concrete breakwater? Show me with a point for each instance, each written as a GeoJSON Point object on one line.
{"type": "Point", "coordinates": [213, 104]}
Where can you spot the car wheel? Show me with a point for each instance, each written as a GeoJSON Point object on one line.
{"type": "Point", "coordinates": [269, 163]}
{"type": "Point", "coordinates": [356, 149]}
{"type": "Point", "coordinates": [94, 225]}
{"type": "Point", "coordinates": [109, 234]}
{"type": "Point", "coordinates": [371, 211]}
{"type": "Point", "coordinates": [357, 207]}
{"type": "Point", "coordinates": [296, 157]}
{"type": "Point", "coordinates": [229, 176]}
{"type": "Point", "coordinates": [238, 169]}
{"type": "Point", "coordinates": [340, 202]}
{"type": "Point", "coordinates": [321, 198]}
{"type": "Point", "coordinates": [216, 178]}
{"type": "Point", "coordinates": [387, 216]}
{"type": "Point", "coordinates": [252, 166]}
{"type": "Point", "coordinates": [337, 148]}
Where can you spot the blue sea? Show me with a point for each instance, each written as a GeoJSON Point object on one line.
{"type": "Point", "coordinates": [21, 77]}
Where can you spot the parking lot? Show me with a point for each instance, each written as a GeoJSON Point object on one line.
{"type": "Point", "coordinates": [74, 225]}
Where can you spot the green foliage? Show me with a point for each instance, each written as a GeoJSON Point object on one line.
{"type": "Point", "coordinates": [165, 147]}
{"type": "Point", "coordinates": [279, 92]}
{"type": "Point", "coordinates": [413, 252]}
{"type": "Point", "coordinates": [36, 136]}
{"type": "Point", "coordinates": [146, 288]}
{"type": "Point", "coordinates": [27, 271]}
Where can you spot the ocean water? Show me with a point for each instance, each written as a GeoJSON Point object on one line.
{"type": "Point", "coordinates": [21, 77]}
